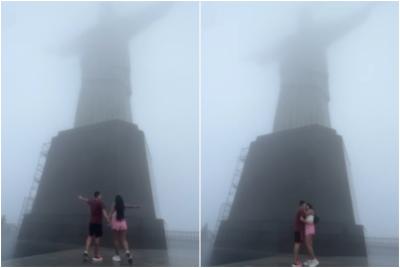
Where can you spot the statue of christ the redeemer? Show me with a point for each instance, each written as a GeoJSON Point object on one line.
{"type": "Point", "coordinates": [304, 88]}
{"type": "Point", "coordinates": [105, 65]}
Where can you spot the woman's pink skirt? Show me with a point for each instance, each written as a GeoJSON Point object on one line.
{"type": "Point", "coordinates": [310, 229]}
{"type": "Point", "coordinates": [119, 225]}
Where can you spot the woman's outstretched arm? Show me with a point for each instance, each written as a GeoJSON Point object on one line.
{"type": "Point", "coordinates": [132, 206]}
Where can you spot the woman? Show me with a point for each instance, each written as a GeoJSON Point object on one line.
{"type": "Point", "coordinates": [309, 234]}
{"type": "Point", "coordinates": [119, 227]}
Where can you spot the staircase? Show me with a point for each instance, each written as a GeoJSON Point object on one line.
{"type": "Point", "coordinates": [226, 206]}
{"type": "Point", "coordinates": [351, 185]}
{"type": "Point", "coordinates": [28, 201]}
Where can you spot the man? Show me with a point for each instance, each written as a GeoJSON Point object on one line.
{"type": "Point", "coordinates": [299, 229]}
{"type": "Point", "coordinates": [97, 212]}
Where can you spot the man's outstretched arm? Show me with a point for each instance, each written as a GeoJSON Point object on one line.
{"type": "Point", "coordinates": [83, 198]}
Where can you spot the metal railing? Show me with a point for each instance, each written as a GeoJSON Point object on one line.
{"type": "Point", "coordinates": [182, 235]}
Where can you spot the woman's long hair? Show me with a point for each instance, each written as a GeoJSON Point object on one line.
{"type": "Point", "coordinates": [310, 206]}
{"type": "Point", "coordinates": [119, 207]}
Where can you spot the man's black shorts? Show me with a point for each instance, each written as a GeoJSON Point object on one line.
{"type": "Point", "coordinates": [298, 237]}
{"type": "Point", "coordinates": [95, 229]}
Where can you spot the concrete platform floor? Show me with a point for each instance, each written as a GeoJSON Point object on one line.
{"type": "Point", "coordinates": [286, 260]}
{"type": "Point", "coordinates": [378, 255]}
{"type": "Point", "coordinates": [143, 258]}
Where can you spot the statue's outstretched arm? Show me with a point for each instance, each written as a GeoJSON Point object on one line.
{"type": "Point", "coordinates": [135, 23]}
{"type": "Point", "coordinates": [344, 26]}
{"type": "Point", "coordinates": [70, 47]}
{"type": "Point", "coordinates": [269, 54]}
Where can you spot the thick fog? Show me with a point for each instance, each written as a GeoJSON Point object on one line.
{"type": "Point", "coordinates": [241, 87]}
{"type": "Point", "coordinates": [41, 82]}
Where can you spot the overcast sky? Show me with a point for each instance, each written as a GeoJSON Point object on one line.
{"type": "Point", "coordinates": [240, 97]}
{"type": "Point", "coordinates": [40, 89]}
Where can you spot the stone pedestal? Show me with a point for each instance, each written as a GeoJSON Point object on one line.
{"type": "Point", "coordinates": [281, 168]}
{"type": "Point", "coordinates": [109, 157]}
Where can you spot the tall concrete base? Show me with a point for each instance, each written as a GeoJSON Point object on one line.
{"type": "Point", "coordinates": [109, 157]}
{"type": "Point", "coordinates": [282, 168]}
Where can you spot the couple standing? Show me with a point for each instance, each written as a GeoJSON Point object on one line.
{"type": "Point", "coordinates": [117, 222]}
{"type": "Point", "coordinates": [304, 231]}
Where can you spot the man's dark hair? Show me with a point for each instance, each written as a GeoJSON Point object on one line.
{"type": "Point", "coordinates": [96, 194]}
{"type": "Point", "coordinates": [301, 202]}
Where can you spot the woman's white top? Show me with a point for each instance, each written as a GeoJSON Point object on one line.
{"type": "Point", "coordinates": [310, 219]}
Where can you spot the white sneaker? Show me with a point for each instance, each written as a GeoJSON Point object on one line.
{"type": "Point", "coordinates": [313, 263]}
{"type": "Point", "coordinates": [307, 263]}
{"type": "Point", "coordinates": [97, 259]}
{"type": "Point", "coordinates": [129, 256]}
{"type": "Point", "coordinates": [297, 264]}
{"type": "Point", "coordinates": [85, 256]}
{"type": "Point", "coordinates": [116, 258]}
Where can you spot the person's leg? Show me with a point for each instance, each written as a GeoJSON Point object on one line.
{"type": "Point", "coordinates": [124, 241]}
{"type": "Point", "coordinates": [89, 240]}
{"type": "Point", "coordinates": [97, 247]}
{"type": "Point", "coordinates": [309, 246]}
{"type": "Point", "coordinates": [126, 247]}
{"type": "Point", "coordinates": [88, 243]}
{"type": "Point", "coordinates": [116, 241]}
{"type": "Point", "coordinates": [296, 250]}
{"type": "Point", "coordinates": [99, 234]}
{"type": "Point", "coordinates": [314, 261]}
{"type": "Point", "coordinates": [312, 245]}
